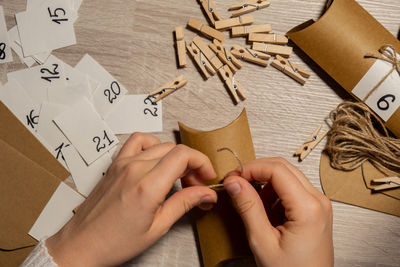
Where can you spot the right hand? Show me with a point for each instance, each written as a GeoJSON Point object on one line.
{"type": "Point", "coordinates": [305, 239]}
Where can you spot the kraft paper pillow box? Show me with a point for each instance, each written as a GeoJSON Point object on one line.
{"type": "Point", "coordinates": [338, 43]}
{"type": "Point", "coordinates": [29, 175]}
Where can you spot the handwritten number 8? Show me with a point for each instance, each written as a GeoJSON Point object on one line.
{"type": "Point", "coordinates": [113, 93]}
{"type": "Point", "coordinates": [383, 104]}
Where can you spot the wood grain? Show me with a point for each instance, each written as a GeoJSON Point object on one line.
{"type": "Point", "coordinates": [134, 41]}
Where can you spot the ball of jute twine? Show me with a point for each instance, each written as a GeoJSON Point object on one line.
{"type": "Point", "coordinates": [358, 135]}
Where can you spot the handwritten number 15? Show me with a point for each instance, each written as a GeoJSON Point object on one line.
{"type": "Point", "coordinates": [56, 13]}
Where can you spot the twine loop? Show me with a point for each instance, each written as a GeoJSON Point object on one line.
{"type": "Point", "coordinates": [387, 53]}
{"type": "Point", "coordinates": [358, 135]}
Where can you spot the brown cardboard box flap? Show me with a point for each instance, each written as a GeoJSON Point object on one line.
{"type": "Point", "coordinates": [351, 187]}
{"type": "Point", "coordinates": [25, 189]}
{"type": "Point", "coordinates": [221, 233]}
{"type": "Point", "coordinates": [338, 42]}
{"type": "Point", "coordinates": [17, 136]}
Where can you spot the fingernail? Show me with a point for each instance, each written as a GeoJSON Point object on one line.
{"type": "Point", "coordinates": [206, 203]}
{"type": "Point", "coordinates": [233, 188]}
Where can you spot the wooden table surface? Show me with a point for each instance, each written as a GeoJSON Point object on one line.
{"type": "Point", "coordinates": [133, 40]}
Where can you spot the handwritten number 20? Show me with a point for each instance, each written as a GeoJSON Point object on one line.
{"type": "Point", "coordinates": [99, 145]}
{"type": "Point", "coordinates": [113, 92]}
{"type": "Point", "coordinates": [56, 13]}
{"type": "Point", "coordinates": [383, 104]}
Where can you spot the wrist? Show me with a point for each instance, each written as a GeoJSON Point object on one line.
{"type": "Point", "coordinates": [67, 252]}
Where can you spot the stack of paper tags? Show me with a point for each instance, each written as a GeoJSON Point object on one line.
{"type": "Point", "coordinates": [76, 112]}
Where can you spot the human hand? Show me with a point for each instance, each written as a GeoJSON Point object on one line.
{"type": "Point", "coordinates": [127, 211]}
{"type": "Point", "coordinates": [305, 239]}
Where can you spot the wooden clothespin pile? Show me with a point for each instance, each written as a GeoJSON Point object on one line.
{"type": "Point", "coordinates": [306, 148]}
{"type": "Point", "coordinates": [212, 57]}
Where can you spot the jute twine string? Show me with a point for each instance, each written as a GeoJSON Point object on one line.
{"type": "Point", "coordinates": [387, 53]}
{"type": "Point", "coordinates": [358, 135]}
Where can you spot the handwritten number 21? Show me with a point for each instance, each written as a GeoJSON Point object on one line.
{"type": "Point", "coordinates": [56, 13]}
{"type": "Point", "coordinates": [99, 145]}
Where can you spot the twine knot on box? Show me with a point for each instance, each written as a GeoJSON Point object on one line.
{"type": "Point", "coordinates": [358, 135]}
{"type": "Point", "coordinates": [387, 53]}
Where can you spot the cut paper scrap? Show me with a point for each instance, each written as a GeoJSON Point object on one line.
{"type": "Point", "coordinates": [16, 46]}
{"type": "Point", "coordinates": [109, 92]}
{"type": "Point", "coordinates": [5, 48]}
{"type": "Point", "coordinates": [86, 130]}
{"type": "Point", "coordinates": [136, 113]}
{"type": "Point", "coordinates": [47, 27]}
{"type": "Point", "coordinates": [38, 80]}
{"type": "Point", "coordinates": [19, 102]}
{"type": "Point", "coordinates": [351, 187]}
{"type": "Point", "coordinates": [221, 233]}
{"type": "Point", "coordinates": [86, 177]}
{"type": "Point", "coordinates": [57, 212]}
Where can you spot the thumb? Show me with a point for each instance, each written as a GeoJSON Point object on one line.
{"type": "Point", "coordinates": [251, 209]}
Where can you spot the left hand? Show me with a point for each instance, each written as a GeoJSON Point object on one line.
{"type": "Point", "coordinates": [128, 211]}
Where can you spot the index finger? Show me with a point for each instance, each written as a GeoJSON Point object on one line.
{"type": "Point", "coordinates": [177, 163]}
{"type": "Point", "coordinates": [136, 143]}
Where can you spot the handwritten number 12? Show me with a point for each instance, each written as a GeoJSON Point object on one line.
{"type": "Point", "coordinates": [55, 14]}
{"type": "Point", "coordinates": [53, 73]}
{"type": "Point", "coordinates": [99, 145]}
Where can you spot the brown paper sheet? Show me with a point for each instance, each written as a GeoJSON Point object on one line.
{"type": "Point", "coordinates": [29, 175]}
{"type": "Point", "coordinates": [352, 187]}
{"type": "Point", "coordinates": [338, 41]}
{"type": "Point", "coordinates": [221, 233]}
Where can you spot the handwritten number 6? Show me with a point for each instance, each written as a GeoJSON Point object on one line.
{"type": "Point", "coordinates": [383, 104]}
{"type": "Point", "coordinates": [113, 93]}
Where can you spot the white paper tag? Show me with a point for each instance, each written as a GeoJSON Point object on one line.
{"type": "Point", "coordinates": [17, 100]}
{"type": "Point", "coordinates": [57, 212]}
{"type": "Point", "coordinates": [109, 92]}
{"type": "Point", "coordinates": [86, 130]}
{"type": "Point", "coordinates": [37, 80]}
{"type": "Point", "coordinates": [136, 113]}
{"type": "Point", "coordinates": [49, 131]}
{"type": "Point", "coordinates": [85, 177]}
{"type": "Point", "coordinates": [16, 46]}
{"type": "Point", "coordinates": [47, 27]}
{"type": "Point", "coordinates": [386, 98]}
{"type": "Point", "coordinates": [5, 48]}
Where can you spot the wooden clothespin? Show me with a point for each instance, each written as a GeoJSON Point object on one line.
{"type": "Point", "coordinates": [385, 183]}
{"type": "Point", "coordinates": [249, 55]}
{"type": "Point", "coordinates": [245, 30]}
{"type": "Point", "coordinates": [206, 30]}
{"type": "Point", "coordinates": [210, 10]}
{"type": "Point", "coordinates": [210, 55]}
{"type": "Point", "coordinates": [168, 88]}
{"type": "Point", "coordinates": [230, 82]}
{"type": "Point", "coordinates": [201, 60]}
{"type": "Point", "coordinates": [180, 45]}
{"type": "Point", "coordinates": [284, 51]}
{"type": "Point", "coordinates": [239, 21]}
{"type": "Point", "coordinates": [225, 56]}
{"type": "Point", "coordinates": [248, 6]}
{"type": "Point", "coordinates": [295, 72]}
{"type": "Point", "coordinates": [271, 38]}
{"type": "Point", "coordinates": [310, 143]}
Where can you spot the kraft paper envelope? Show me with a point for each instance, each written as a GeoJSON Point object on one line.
{"type": "Point", "coordinates": [221, 233]}
{"type": "Point", "coordinates": [353, 187]}
{"type": "Point", "coordinates": [29, 175]}
{"type": "Point", "coordinates": [16, 135]}
{"type": "Point", "coordinates": [338, 42]}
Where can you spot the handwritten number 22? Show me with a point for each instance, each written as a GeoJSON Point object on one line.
{"type": "Point", "coordinates": [113, 92]}
{"type": "Point", "coordinates": [56, 13]}
{"type": "Point", "coordinates": [99, 145]}
{"type": "Point", "coordinates": [148, 110]}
